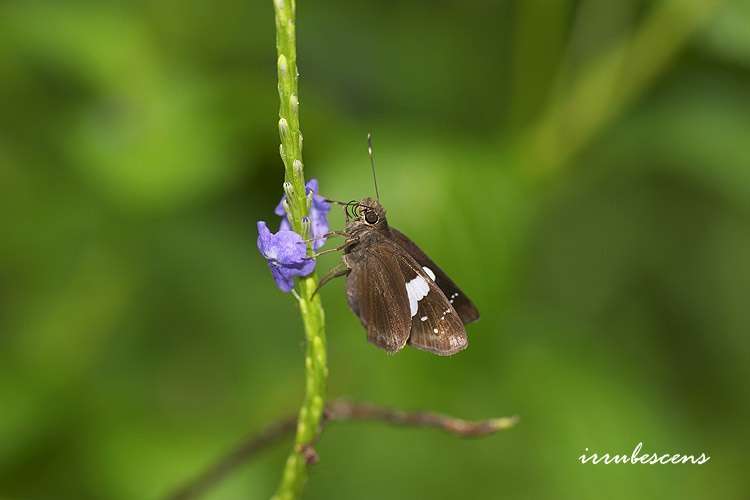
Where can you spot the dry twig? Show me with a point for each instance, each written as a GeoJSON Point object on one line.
{"type": "Point", "coordinates": [337, 411]}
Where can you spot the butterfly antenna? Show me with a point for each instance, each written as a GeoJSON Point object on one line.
{"type": "Point", "coordinates": [372, 164]}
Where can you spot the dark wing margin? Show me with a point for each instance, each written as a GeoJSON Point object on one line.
{"type": "Point", "coordinates": [435, 326]}
{"type": "Point", "coordinates": [376, 294]}
{"type": "Point", "coordinates": [465, 308]}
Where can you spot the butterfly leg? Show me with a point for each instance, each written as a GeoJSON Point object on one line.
{"type": "Point", "coordinates": [340, 270]}
{"type": "Point", "coordinates": [327, 235]}
{"type": "Point", "coordinates": [337, 249]}
{"type": "Point", "coordinates": [334, 233]}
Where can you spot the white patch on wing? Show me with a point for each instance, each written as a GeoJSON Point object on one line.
{"type": "Point", "coordinates": [416, 290]}
{"type": "Point", "coordinates": [429, 272]}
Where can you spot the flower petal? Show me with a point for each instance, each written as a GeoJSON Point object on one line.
{"type": "Point", "coordinates": [318, 214]}
{"type": "Point", "coordinates": [265, 241]}
{"type": "Point", "coordinates": [286, 254]}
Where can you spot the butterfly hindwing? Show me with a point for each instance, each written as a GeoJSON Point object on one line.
{"type": "Point", "coordinates": [460, 302]}
{"type": "Point", "coordinates": [376, 293]}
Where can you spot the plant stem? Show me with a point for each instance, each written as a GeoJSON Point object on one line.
{"type": "Point", "coordinates": [297, 207]}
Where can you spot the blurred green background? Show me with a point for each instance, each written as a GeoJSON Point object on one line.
{"type": "Point", "coordinates": [581, 168]}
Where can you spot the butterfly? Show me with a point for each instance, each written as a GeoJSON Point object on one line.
{"type": "Point", "coordinates": [399, 294]}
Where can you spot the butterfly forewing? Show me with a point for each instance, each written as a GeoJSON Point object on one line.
{"type": "Point", "coordinates": [460, 302]}
{"type": "Point", "coordinates": [435, 325]}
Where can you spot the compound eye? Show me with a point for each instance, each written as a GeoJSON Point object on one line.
{"type": "Point", "coordinates": [371, 217]}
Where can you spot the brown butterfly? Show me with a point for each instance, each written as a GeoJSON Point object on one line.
{"type": "Point", "coordinates": [400, 295]}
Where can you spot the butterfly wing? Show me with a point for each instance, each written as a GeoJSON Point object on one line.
{"type": "Point", "coordinates": [435, 325]}
{"type": "Point", "coordinates": [458, 299]}
{"type": "Point", "coordinates": [376, 293]}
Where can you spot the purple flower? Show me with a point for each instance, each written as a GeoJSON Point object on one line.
{"type": "Point", "coordinates": [318, 214]}
{"type": "Point", "coordinates": [286, 254]}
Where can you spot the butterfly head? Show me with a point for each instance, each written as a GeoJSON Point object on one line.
{"type": "Point", "coordinates": [365, 214]}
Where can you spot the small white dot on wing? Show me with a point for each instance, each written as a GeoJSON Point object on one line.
{"type": "Point", "coordinates": [434, 330]}
{"type": "Point", "coordinates": [423, 318]}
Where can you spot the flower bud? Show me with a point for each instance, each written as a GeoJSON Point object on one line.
{"type": "Point", "coordinates": [283, 129]}
{"type": "Point", "coordinates": [289, 190]}
{"type": "Point", "coordinates": [306, 225]}
{"type": "Point", "coordinates": [282, 61]}
{"type": "Point", "coordinates": [300, 142]}
{"type": "Point", "coordinates": [294, 104]}
{"type": "Point", "coordinates": [298, 168]}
